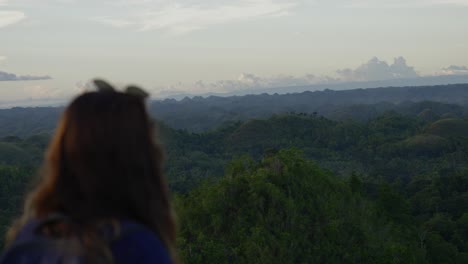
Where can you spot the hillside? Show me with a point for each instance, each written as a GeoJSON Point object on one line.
{"type": "Point", "coordinates": [200, 114]}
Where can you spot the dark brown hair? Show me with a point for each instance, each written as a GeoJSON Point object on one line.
{"type": "Point", "coordinates": [103, 163]}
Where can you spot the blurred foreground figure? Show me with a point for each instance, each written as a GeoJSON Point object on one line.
{"type": "Point", "coordinates": [101, 196]}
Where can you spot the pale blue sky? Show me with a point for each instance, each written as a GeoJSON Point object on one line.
{"type": "Point", "coordinates": [172, 45]}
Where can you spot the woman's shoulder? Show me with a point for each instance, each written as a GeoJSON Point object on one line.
{"type": "Point", "coordinates": [138, 244]}
{"type": "Point", "coordinates": [135, 242]}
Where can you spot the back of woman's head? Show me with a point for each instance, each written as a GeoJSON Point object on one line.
{"type": "Point", "coordinates": [103, 158]}
{"type": "Point", "coordinates": [103, 163]}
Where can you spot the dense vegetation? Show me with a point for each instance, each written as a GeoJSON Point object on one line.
{"type": "Point", "coordinates": [285, 209]}
{"type": "Point", "coordinates": [301, 188]}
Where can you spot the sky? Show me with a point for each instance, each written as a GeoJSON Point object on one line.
{"type": "Point", "coordinates": [50, 49]}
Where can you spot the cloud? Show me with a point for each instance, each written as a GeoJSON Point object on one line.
{"type": "Point", "coordinates": [10, 17]}
{"type": "Point", "coordinates": [450, 2]}
{"type": "Point", "coordinates": [115, 22]}
{"type": "Point", "coordinates": [453, 70]}
{"type": "Point", "coordinates": [83, 86]}
{"type": "Point", "coordinates": [376, 69]}
{"type": "Point", "coordinates": [181, 17]}
{"type": "Point", "coordinates": [248, 79]}
{"type": "Point", "coordinates": [36, 92]}
{"type": "Point", "coordinates": [373, 70]}
{"type": "Point", "coordinates": [244, 82]}
{"type": "Point", "coordinates": [399, 3]}
{"type": "Point", "coordinates": [5, 76]}
{"type": "Point", "coordinates": [3, 58]}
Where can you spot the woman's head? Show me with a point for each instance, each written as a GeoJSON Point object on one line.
{"type": "Point", "coordinates": [103, 163]}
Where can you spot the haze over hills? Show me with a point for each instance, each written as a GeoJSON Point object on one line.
{"type": "Point", "coordinates": [332, 85]}
{"type": "Point", "coordinates": [255, 85]}
{"type": "Point", "coordinates": [200, 114]}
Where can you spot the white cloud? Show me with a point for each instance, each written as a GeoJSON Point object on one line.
{"type": "Point", "coordinates": [133, 2]}
{"type": "Point", "coordinates": [115, 22]}
{"type": "Point", "coordinates": [451, 2]}
{"type": "Point", "coordinates": [373, 70]}
{"type": "Point", "coordinates": [181, 17]}
{"type": "Point", "coordinates": [248, 79]}
{"type": "Point", "coordinates": [47, 92]}
{"type": "Point", "coordinates": [6, 76]}
{"type": "Point", "coordinates": [399, 3]}
{"type": "Point", "coordinates": [453, 70]}
{"type": "Point", "coordinates": [41, 92]}
{"type": "Point", "coordinates": [376, 69]}
{"type": "Point", "coordinates": [66, 1]}
{"type": "Point", "coordinates": [83, 86]}
{"type": "Point", "coordinates": [2, 58]}
{"type": "Point", "coordinates": [10, 17]}
{"type": "Point", "coordinates": [245, 81]}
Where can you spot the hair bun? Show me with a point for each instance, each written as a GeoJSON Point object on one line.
{"type": "Point", "coordinates": [103, 86]}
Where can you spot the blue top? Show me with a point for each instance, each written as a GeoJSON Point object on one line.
{"type": "Point", "coordinates": [136, 244]}
{"type": "Point", "coordinates": [140, 246]}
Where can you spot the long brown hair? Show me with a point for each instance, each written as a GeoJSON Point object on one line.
{"type": "Point", "coordinates": [103, 163]}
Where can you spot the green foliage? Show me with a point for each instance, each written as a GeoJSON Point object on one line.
{"type": "Point", "coordinates": [452, 127]}
{"type": "Point", "coordinates": [425, 145]}
{"type": "Point", "coordinates": [12, 154]}
{"type": "Point", "coordinates": [13, 181]}
{"type": "Point", "coordinates": [285, 209]}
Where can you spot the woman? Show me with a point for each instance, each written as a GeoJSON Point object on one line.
{"type": "Point", "coordinates": [102, 196]}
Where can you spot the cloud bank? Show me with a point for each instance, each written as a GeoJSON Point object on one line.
{"type": "Point", "coordinates": [398, 72]}
{"type": "Point", "coordinates": [373, 70]}
{"type": "Point", "coordinates": [376, 69]}
{"type": "Point", "coordinates": [245, 81]}
{"type": "Point", "coordinates": [5, 76]}
{"type": "Point", "coordinates": [454, 70]}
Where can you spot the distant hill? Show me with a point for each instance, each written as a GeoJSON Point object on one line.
{"type": "Point", "coordinates": [405, 82]}
{"type": "Point", "coordinates": [344, 147]}
{"type": "Point", "coordinates": [199, 114]}
{"type": "Point", "coordinates": [337, 86]}
{"type": "Point", "coordinates": [450, 127]}
{"type": "Point", "coordinates": [24, 122]}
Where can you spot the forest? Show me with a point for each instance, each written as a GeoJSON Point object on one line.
{"type": "Point", "coordinates": [367, 176]}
